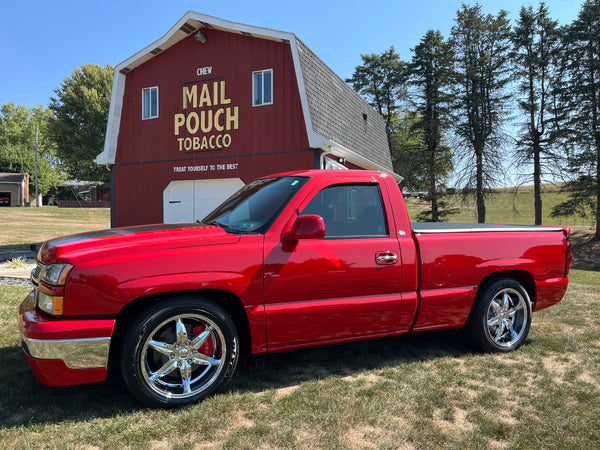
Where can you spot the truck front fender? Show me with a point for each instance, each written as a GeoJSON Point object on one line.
{"type": "Point", "coordinates": [234, 283]}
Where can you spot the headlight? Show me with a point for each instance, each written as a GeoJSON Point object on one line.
{"type": "Point", "coordinates": [49, 295]}
{"type": "Point", "coordinates": [50, 303]}
{"type": "Point", "coordinates": [55, 274]}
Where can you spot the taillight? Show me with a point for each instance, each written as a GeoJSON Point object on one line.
{"type": "Point", "coordinates": [569, 256]}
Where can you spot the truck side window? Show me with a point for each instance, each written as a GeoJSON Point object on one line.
{"type": "Point", "coordinates": [350, 211]}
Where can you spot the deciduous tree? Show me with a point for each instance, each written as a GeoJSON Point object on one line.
{"type": "Point", "coordinates": [17, 134]}
{"type": "Point", "coordinates": [81, 107]}
{"type": "Point", "coordinates": [407, 152]}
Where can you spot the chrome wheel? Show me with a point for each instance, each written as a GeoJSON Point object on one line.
{"type": "Point", "coordinates": [501, 316]}
{"type": "Point", "coordinates": [178, 351]}
{"type": "Point", "coordinates": [507, 317]}
{"type": "Point", "coordinates": [183, 356]}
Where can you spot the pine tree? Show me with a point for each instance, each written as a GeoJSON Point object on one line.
{"type": "Point", "coordinates": [431, 75]}
{"type": "Point", "coordinates": [580, 95]}
{"type": "Point", "coordinates": [481, 45]}
{"type": "Point", "coordinates": [536, 42]}
{"type": "Point", "coordinates": [381, 80]}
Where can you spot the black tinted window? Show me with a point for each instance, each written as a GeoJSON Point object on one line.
{"type": "Point", "coordinates": [350, 210]}
{"type": "Point", "coordinates": [253, 208]}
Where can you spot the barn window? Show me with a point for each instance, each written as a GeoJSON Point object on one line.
{"type": "Point", "coordinates": [150, 103]}
{"type": "Point", "coordinates": [262, 87]}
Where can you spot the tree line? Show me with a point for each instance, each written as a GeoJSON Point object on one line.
{"type": "Point", "coordinates": [491, 92]}
{"type": "Point", "coordinates": [526, 94]}
{"type": "Point", "coordinates": [70, 131]}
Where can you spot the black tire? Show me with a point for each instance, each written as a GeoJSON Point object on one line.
{"type": "Point", "coordinates": [501, 316]}
{"type": "Point", "coordinates": [179, 351]}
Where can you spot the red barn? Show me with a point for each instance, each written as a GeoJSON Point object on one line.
{"type": "Point", "coordinates": [213, 105]}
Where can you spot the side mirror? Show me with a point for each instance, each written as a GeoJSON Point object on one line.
{"type": "Point", "coordinates": [310, 226]}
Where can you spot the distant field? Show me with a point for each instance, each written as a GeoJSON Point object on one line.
{"type": "Point", "coordinates": [505, 207]}
{"type": "Point", "coordinates": [23, 226]}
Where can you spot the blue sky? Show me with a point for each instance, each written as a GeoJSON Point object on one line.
{"type": "Point", "coordinates": [44, 41]}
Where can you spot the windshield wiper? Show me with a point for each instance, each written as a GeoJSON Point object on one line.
{"type": "Point", "coordinates": [217, 223]}
{"type": "Point", "coordinates": [226, 227]}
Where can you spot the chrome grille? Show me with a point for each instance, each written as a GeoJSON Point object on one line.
{"type": "Point", "coordinates": [35, 273]}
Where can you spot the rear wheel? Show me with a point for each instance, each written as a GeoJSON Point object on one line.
{"type": "Point", "coordinates": [179, 351]}
{"type": "Point", "coordinates": [501, 316]}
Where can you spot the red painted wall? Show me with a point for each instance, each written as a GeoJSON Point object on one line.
{"type": "Point", "coordinates": [268, 139]}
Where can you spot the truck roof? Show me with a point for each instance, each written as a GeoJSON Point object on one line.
{"type": "Point", "coordinates": [327, 173]}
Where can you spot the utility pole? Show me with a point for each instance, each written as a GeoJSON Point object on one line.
{"type": "Point", "coordinates": [35, 149]}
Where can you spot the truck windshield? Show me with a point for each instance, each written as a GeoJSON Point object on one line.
{"type": "Point", "coordinates": [255, 207]}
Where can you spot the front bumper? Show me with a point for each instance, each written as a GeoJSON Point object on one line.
{"type": "Point", "coordinates": [75, 353]}
{"type": "Point", "coordinates": [64, 351]}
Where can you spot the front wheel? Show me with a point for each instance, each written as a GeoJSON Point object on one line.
{"type": "Point", "coordinates": [501, 316]}
{"type": "Point", "coordinates": [179, 351]}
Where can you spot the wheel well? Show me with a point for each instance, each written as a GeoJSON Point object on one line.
{"type": "Point", "coordinates": [226, 300]}
{"type": "Point", "coordinates": [521, 276]}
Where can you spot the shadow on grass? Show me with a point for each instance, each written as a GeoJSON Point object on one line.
{"type": "Point", "coordinates": [585, 251]}
{"type": "Point", "coordinates": [289, 368]}
{"type": "Point", "coordinates": [24, 401]}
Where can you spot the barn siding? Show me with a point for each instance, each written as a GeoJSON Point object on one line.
{"type": "Point", "coordinates": [269, 138]}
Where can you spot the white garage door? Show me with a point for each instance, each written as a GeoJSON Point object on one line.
{"type": "Point", "coordinates": [191, 200]}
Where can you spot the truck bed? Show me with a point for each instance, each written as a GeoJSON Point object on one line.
{"type": "Point", "coordinates": [456, 258]}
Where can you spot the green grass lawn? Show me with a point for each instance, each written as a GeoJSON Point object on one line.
{"type": "Point", "coordinates": [23, 226]}
{"type": "Point", "coordinates": [416, 391]}
{"type": "Point", "coordinates": [424, 390]}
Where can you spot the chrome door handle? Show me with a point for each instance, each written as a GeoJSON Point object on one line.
{"type": "Point", "coordinates": [386, 258]}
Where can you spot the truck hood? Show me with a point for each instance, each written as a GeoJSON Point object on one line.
{"type": "Point", "coordinates": [82, 247]}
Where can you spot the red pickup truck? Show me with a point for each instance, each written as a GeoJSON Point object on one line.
{"type": "Point", "coordinates": [291, 260]}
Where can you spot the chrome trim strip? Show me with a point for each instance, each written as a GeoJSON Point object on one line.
{"type": "Point", "coordinates": [484, 230]}
{"type": "Point", "coordinates": [76, 353]}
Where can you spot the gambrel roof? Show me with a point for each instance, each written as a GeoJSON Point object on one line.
{"type": "Point", "coordinates": [337, 119]}
{"type": "Point", "coordinates": [339, 114]}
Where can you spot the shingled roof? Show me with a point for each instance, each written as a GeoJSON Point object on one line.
{"type": "Point", "coordinates": [337, 119]}
{"type": "Point", "coordinates": [12, 177]}
{"type": "Point", "coordinates": [339, 114]}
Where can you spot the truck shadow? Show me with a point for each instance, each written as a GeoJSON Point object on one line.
{"type": "Point", "coordinates": [290, 368]}
{"type": "Point", "coordinates": [24, 401]}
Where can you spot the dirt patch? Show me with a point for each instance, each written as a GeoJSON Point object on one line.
{"type": "Point", "coordinates": [369, 379]}
{"type": "Point", "coordinates": [285, 391]}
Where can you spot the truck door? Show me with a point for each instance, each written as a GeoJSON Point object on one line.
{"type": "Point", "coordinates": [340, 287]}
